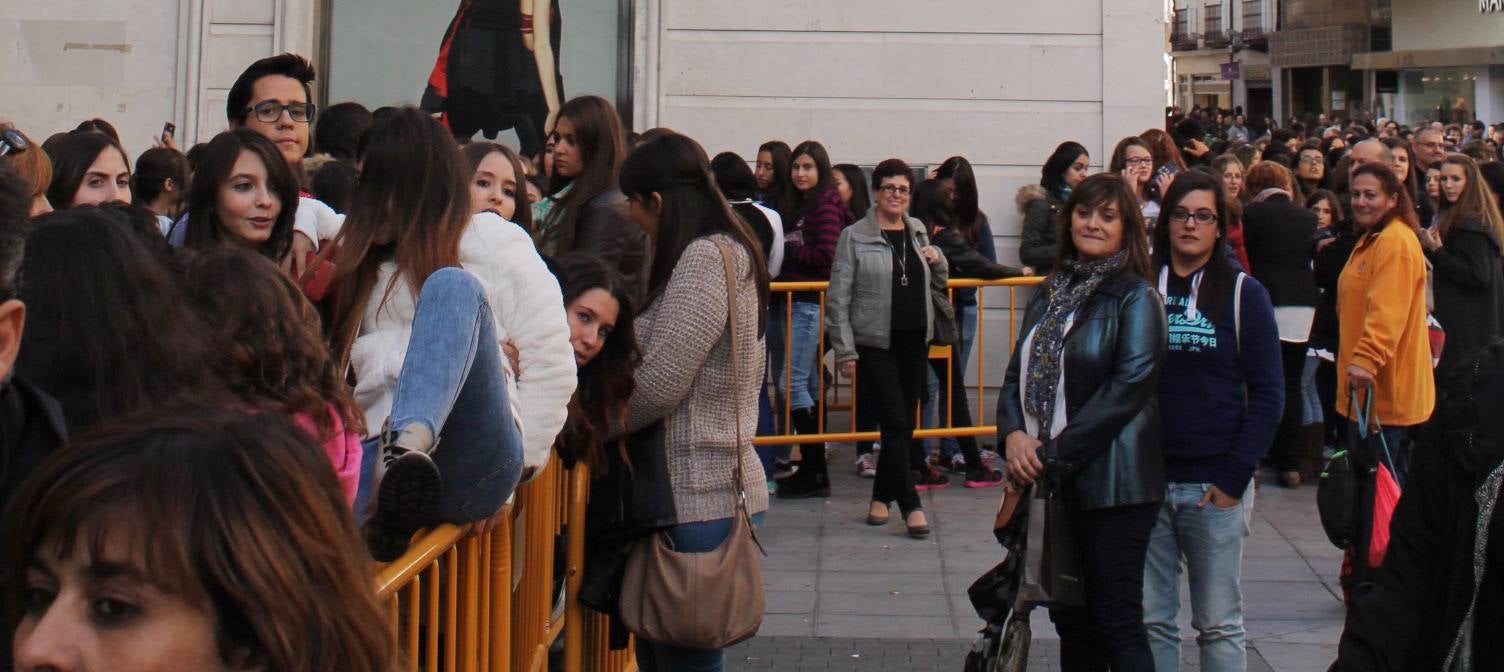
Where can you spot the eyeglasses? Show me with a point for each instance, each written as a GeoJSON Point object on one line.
{"type": "Point", "coordinates": [1180, 215]}
{"type": "Point", "coordinates": [12, 142]}
{"type": "Point", "coordinates": [269, 111]}
{"type": "Point", "coordinates": [894, 189]}
{"type": "Point", "coordinates": [1312, 160]}
{"type": "Point", "coordinates": [1139, 162]}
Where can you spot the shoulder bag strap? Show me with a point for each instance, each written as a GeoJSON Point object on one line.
{"type": "Point", "coordinates": [1237, 312]}
{"type": "Point", "coordinates": [740, 495]}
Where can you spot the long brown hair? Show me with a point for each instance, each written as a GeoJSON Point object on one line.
{"type": "Point", "coordinates": [411, 206]}
{"type": "Point", "coordinates": [598, 408]}
{"type": "Point", "coordinates": [602, 145]}
{"type": "Point", "coordinates": [1094, 192]}
{"type": "Point", "coordinates": [235, 512]}
{"type": "Point", "coordinates": [477, 152]}
{"type": "Point", "coordinates": [676, 168]}
{"type": "Point", "coordinates": [216, 166]}
{"type": "Point", "coordinates": [1475, 202]}
{"type": "Point", "coordinates": [267, 337]}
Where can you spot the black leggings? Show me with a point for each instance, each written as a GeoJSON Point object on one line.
{"type": "Point", "coordinates": [959, 409]}
{"type": "Point", "coordinates": [893, 382]}
{"type": "Point", "coordinates": [1289, 440]}
{"type": "Point", "coordinates": [1109, 633]}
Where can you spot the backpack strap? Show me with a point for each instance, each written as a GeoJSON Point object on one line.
{"type": "Point", "coordinates": [1237, 312]}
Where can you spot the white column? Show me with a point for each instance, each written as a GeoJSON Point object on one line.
{"type": "Point", "coordinates": [1130, 66]}
{"type": "Point", "coordinates": [1488, 91]}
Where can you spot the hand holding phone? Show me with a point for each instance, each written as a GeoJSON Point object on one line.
{"type": "Point", "coordinates": [168, 139]}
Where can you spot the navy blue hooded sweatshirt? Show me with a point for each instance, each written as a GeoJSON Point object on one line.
{"type": "Point", "coordinates": [1210, 433]}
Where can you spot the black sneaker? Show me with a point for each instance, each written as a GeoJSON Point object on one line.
{"type": "Point", "coordinates": [804, 484]}
{"type": "Point", "coordinates": [407, 500]}
{"type": "Point", "coordinates": [930, 479]}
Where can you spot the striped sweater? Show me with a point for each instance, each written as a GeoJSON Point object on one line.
{"type": "Point", "coordinates": [809, 260]}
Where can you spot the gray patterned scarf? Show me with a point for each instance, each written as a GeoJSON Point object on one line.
{"type": "Point", "coordinates": [1066, 289]}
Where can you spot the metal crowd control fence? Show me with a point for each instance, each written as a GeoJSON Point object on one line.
{"type": "Point", "coordinates": [824, 405]}
{"type": "Point", "coordinates": [484, 603]}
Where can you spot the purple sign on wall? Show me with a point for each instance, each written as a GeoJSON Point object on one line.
{"type": "Point", "coordinates": [1230, 71]}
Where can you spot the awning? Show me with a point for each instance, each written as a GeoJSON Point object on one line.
{"type": "Point", "coordinates": [1428, 58]}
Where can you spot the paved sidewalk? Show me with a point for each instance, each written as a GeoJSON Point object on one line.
{"type": "Point", "coordinates": [845, 596]}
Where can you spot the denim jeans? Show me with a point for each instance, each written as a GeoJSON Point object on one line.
{"type": "Point", "coordinates": [1208, 542]}
{"type": "Point", "coordinates": [966, 320]}
{"type": "Point", "coordinates": [655, 656]}
{"type": "Point", "coordinates": [452, 383]}
{"type": "Point", "coordinates": [1310, 400]}
{"type": "Point", "coordinates": [803, 385]}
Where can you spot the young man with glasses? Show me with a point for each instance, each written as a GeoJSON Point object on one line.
{"type": "Point", "coordinates": [274, 97]}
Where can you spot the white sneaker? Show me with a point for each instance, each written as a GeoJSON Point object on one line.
{"type": "Point", "coordinates": [866, 465]}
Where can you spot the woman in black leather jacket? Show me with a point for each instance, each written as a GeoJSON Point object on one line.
{"type": "Point", "coordinates": [1077, 414]}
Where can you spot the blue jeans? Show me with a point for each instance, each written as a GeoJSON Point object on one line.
{"type": "Point", "coordinates": [966, 320]}
{"type": "Point", "coordinates": [1209, 540]}
{"type": "Point", "coordinates": [655, 656]}
{"type": "Point", "coordinates": [803, 385]}
{"type": "Point", "coordinates": [452, 383]}
{"type": "Point", "coordinates": [1310, 400]}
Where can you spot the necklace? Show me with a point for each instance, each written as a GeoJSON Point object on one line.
{"type": "Point", "coordinates": [902, 252]}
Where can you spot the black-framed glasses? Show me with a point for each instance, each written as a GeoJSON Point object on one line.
{"type": "Point", "coordinates": [269, 111]}
{"type": "Point", "coordinates": [894, 189]}
{"type": "Point", "coordinates": [1180, 215]}
{"type": "Point", "coordinates": [12, 142]}
{"type": "Point", "coordinates": [1139, 161]}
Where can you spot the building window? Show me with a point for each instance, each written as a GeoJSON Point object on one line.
{"type": "Point", "coordinates": [1182, 21]}
{"type": "Point", "coordinates": [1434, 94]}
{"type": "Point", "coordinates": [1253, 16]}
{"type": "Point", "coordinates": [1213, 18]}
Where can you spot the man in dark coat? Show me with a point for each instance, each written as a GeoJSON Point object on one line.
{"type": "Point", "coordinates": [31, 423]}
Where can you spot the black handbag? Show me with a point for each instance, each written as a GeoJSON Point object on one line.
{"type": "Point", "coordinates": [1052, 562]}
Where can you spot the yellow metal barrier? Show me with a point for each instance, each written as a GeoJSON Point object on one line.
{"type": "Point", "coordinates": [484, 603]}
{"type": "Point", "coordinates": [980, 426]}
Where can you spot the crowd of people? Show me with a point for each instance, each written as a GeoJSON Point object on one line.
{"type": "Point", "coordinates": [326, 329]}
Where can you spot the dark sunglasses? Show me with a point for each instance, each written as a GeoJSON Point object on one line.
{"type": "Point", "coordinates": [12, 142]}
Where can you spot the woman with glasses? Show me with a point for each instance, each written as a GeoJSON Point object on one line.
{"type": "Point", "coordinates": [1133, 161]}
{"type": "Point", "coordinates": [31, 163]}
{"type": "Point", "coordinates": [880, 321]}
{"type": "Point", "coordinates": [1220, 400]}
{"type": "Point", "coordinates": [1078, 416]}
{"type": "Point", "coordinates": [1277, 233]}
{"type": "Point", "coordinates": [1220, 397]}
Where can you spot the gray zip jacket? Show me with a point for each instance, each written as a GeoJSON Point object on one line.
{"type": "Point", "coordinates": [860, 299]}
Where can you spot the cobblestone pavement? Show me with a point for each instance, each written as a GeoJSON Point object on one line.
{"type": "Point", "coordinates": [845, 596]}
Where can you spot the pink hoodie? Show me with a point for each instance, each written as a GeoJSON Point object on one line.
{"type": "Point", "coordinates": [343, 449]}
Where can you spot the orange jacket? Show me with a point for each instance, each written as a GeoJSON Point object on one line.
{"type": "Point", "coordinates": [1381, 311]}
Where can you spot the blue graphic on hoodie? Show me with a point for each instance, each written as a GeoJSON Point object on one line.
{"type": "Point", "coordinates": [1190, 331]}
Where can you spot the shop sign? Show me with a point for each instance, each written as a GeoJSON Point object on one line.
{"type": "Point", "coordinates": [1230, 71]}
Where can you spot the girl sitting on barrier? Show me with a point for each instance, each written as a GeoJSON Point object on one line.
{"type": "Point", "coordinates": [193, 539]}
{"type": "Point", "coordinates": [423, 296]}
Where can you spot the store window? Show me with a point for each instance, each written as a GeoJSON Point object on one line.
{"type": "Point", "coordinates": [495, 69]}
{"type": "Point", "coordinates": [1434, 94]}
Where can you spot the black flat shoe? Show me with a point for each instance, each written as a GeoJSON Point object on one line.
{"type": "Point", "coordinates": [407, 500]}
{"type": "Point", "coordinates": [804, 484]}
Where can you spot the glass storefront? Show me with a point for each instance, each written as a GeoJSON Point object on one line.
{"type": "Point", "coordinates": [484, 65]}
{"type": "Point", "coordinates": [1432, 94]}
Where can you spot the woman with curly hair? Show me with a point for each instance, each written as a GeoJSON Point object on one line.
{"type": "Point", "coordinates": [270, 352]}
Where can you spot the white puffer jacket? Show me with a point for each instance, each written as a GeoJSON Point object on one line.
{"type": "Point", "coordinates": [529, 310]}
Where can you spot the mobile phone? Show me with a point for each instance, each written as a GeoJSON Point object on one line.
{"type": "Point", "coordinates": [169, 129]}
{"type": "Point", "coordinates": [1167, 169]}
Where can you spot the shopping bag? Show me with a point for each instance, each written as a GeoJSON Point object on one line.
{"type": "Point", "coordinates": [1385, 497]}
{"type": "Point", "coordinates": [1052, 563]}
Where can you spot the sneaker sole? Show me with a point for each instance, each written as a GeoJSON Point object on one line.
{"type": "Point", "coordinates": [407, 500]}
{"type": "Point", "coordinates": [935, 486]}
{"type": "Point", "coordinates": [982, 484]}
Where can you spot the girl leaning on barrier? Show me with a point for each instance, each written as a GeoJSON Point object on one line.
{"type": "Point", "coordinates": [880, 319]}
{"type": "Point", "coordinates": [423, 295]}
{"type": "Point", "coordinates": [1077, 411]}
{"type": "Point", "coordinates": [191, 539]}
{"type": "Point", "coordinates": [692, 377]}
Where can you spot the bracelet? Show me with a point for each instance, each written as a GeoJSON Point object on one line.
{"type": "Point", "coordinates": [527, 23]}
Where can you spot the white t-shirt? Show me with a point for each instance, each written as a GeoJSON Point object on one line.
{"type": "Point", "coordinates": [1031, 423]}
